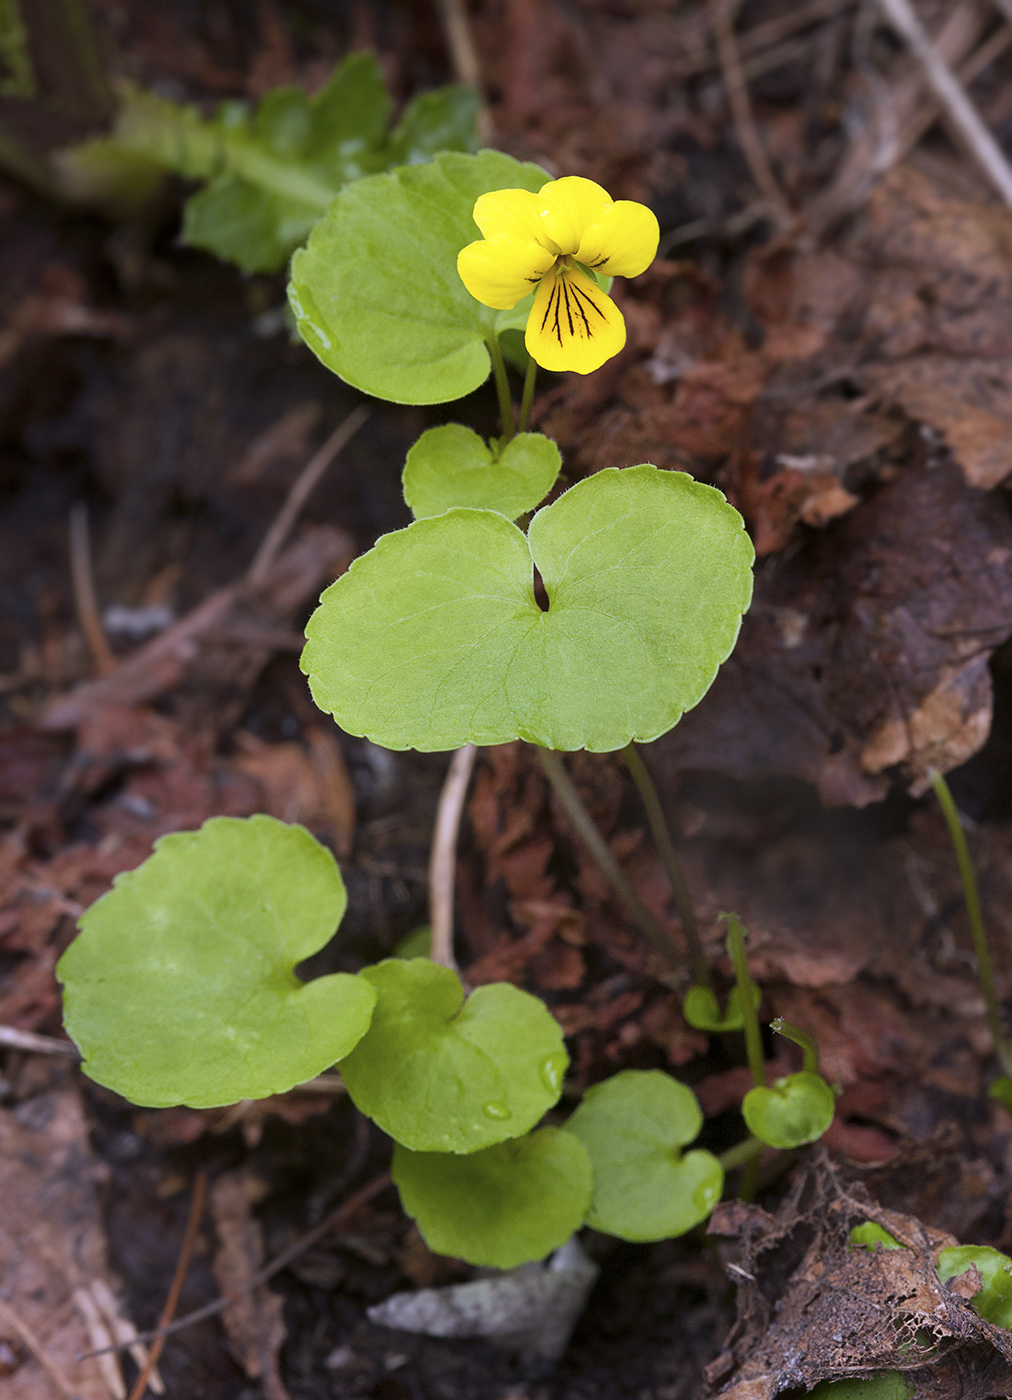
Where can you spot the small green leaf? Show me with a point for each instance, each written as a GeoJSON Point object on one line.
{"type": "Point", "coordinates": [633, 1126]}
{"type": "Point", "coordinates": [376, 293]}
{"type": "Point", "coordinates": [887, 1385]}
{"type": "Point", "coordinates": [502, 1206]}
{"type": "Point", "coordinates": [181, 986]}
{"type": "Point", "coordinates": [797, 1109]}
{"type": "Point", "coordinates": [869, 1235]}
{"type": "Point", "coordinates": [994, 1300]}
{"type": "Point", "coordinates": [441, 1074]}
{"type": "Point", "coordinates": [435, 638]}
{"type": "Point", "coordinates": [441, 120]}
{"type": "Point", "coordinates": [451, 466]}
{"type": "Point", "coordinates": [416, 944]}
{"type": "Point", "coordinates": [702, 1010]}
{"type": "Point", "coordinates": [1001, 1089]}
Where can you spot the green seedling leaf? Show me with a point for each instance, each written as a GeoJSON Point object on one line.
{"type": "Point", "coordinates": [181, 986]}
{"type": "Point", "coordinates": [634, 1126]}
{"type": "Point", "coordinates": [451, 466]}
{"type": "Point", "coordinates": [797, 1109]}
{"type": "Point", "coordinates": [887, 1385]}
{"type": "Point", "coordinates": [994, 1301]}
{"type": "Point", "coordinates": [1001, 1090]}
{"type": "Point", "coordinates": [702, 1010]}
{"type": "Point", "coordinates": [871, 1236]}
{"type": "Point", "coordinates": [376, 293]}
{"type": "Point", "coordinates": [441, 1074]}
{"type": "Point", "coordinates": [500, 1207]}
{"type": "Point", "coordinates": [417, 944]}
{"type": "Point", "coordinates": [435, 638]}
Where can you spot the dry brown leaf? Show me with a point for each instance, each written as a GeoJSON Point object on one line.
{"type": "Point", "coordinates": [255, 1322]}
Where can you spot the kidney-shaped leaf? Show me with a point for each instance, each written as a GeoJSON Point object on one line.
{"type": "Point", "coordinates": [500, 1207]}
{"type": "Point", "coordinates": [376, 293]}
{"type": "Point", "coordinates": [181, 986]}
{"type": "Point", "coordinates": [796, 1109]}
{"type": "Point", "coordinates": [441, 1074]}
{"type": "Point", "coordinates": [451, 466]}
{"type": "Point", "coordinates": [435, 638]}
{"type": "Point", "coordinates": [634, 1126]}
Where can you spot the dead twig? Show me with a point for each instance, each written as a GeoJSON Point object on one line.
{"type": "Point", "coordinates": [989, 52]}
{"type": "Point", "coordinates": [13, 1039]}
{"type": "Point", "coordinates": [99, 1335]}
{"type": "Point", "coordinates": [124, 1331]}
{"type": "Point", "coordinates": [962, 114]}
{"type": "Point", "coordinates": [34, 1345]}
{"type": "Point", "coordinates": [464, 57]}
{"type": "Point", "coordinates": [443, 860]}
{"type": "Point", "coordinates": [274, 540]}
{"type": "Point", "coordinates": [84, 592]}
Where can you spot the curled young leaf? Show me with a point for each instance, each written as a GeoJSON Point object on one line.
{"type": "Point", "coordinates": [634, 1126]}
{"type": "Point", "coordinates": [502, 1206]}
{"type": "Point", "coordinates": [702, 1010]}
{"type": "Point", "coordinates": [795, 1110]}
{"type": "Point", "coordinates": [441, 1074]}
{"type": "Point", "coordinates": [181, 985]}
{"type": "Point", "coordinates": [451, 466]}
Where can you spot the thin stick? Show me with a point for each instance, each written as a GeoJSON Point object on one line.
{"type": "Point", "coordinates": [527, 402]}
{"type": "Point", "coordinates": [85, 599]}
{"type": "Point", "coordinates": [669, 859]}
{"type": "Point", "coordinates": [967, 122]}
{"type": "Point", "coordinates": [304, 483]}
{"type": "Point", "coordinates": [172, 1300]}
{"type": "Point", "coordinates": [502, 388]}
{"type": "Point", "coordinates": [464, 56]}
{"type": "Point", "coordinates": [34, 1345]}
{"type": "Point", "coordinates": [741, 110]}
{"type": "Point", "coordinates": [981, 58]}
{"type": "Point", "coordinates": [331, 1222]}
{"type": "Point", "coordinates": [985, 971]}
{"type": "Point", "coordinates": [753, 1038]}
{"type": "Point", "coordinates": [585, 826]}
{"type": "Point", "coordinates": [443, 860]}
{"type": "Point", "coordinates": [12, 1039]}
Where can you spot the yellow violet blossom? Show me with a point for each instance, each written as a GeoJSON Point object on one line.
{"type": "Point", "coordinates": [546, 241]}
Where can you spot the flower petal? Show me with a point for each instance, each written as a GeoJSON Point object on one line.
{"type": "Point", "coordinates": [622, 240]}
{"type": "Point", "coordinates": [567, 207]}
{"type": "Point", "coordinates": [511, 214]}
{"type": "Point", "coordinates": [501, 271]}
{"type": "Point", "coordinates": [573, 324]}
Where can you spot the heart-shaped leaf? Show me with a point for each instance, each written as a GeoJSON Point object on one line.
{"type": "Point", "coordinates": [451, 466]}
{"type": "Point", "coordinates": [441, 1074]}
{"type": "Point", "coordinates": [435, 638]}
{"type": "Point", "coordinates": [994, 1299]}
{"type": "Point", "coordinates": [797, 1109]}
{"type": "Point", "coordinates": [634, 1126]}
{"type": "Point", "coordinates": [702, 1010]}
{"type": "Point", "coordinates": [376, 293]}
{"type": "Point", "coordinates": [181, 986]}
{"type": "Point", "coordinates": [500, 1207]}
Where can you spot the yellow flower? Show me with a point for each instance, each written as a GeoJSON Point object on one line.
{"type": "Point", "coordinates": [546, 241]}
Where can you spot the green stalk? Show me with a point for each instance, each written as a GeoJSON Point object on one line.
{"type": "Point", "coordinates": [809, 1048]}
{"type": "Point", "coordinates": [741, 1153]}
{"type": "Point", "coordinates": [985, 971]}
{"type": "Point", "coordinates": [502, 388]}
{"type": "Point", "coordinates": [753, 1039]}
{"type": "Point", "coordinates": [669, 859]}
{"type": "Point", "coordinates": [527, 402]}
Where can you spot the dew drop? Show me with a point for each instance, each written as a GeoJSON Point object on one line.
{"type": "Point", "coordinates": [497, 1111]}
{"type": "Point", "coordinates": [551, 1074]}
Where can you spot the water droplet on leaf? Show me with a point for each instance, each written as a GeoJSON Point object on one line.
{"type": "Point", "coordinates": [551, 1074]}
{"type": "Point", "coordinates": [498, 1111]}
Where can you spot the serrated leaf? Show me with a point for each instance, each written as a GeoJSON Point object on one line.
{"type": "Point", "coordinates": [452, 466]}
{"type": "Point", "coordinates": [702, 1010]}
{"type": "Point", "coordinates": [376, 293]}
{"type": "Point", "coordinates": [502, 1206]}
{"type": "Point", "coordinates": [441, 1074]}
{"type": "Point", "coordinates": [794, 1110]}
{"type": "Point", "coordinates": [181, 986]}
{"type": "Point", "coordinates": [435, 638]}
{"type": "Point", "coordinates": [634, 1126]}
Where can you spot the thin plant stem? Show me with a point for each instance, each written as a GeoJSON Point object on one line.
{"type": "Point", "coordinates": [589, 834]}
{"type": "Point", "coordinates": [669, 859]}
{"type": "Point", "coordinates": [753, 1039]}
{"type": "Point", "coordinates": [985, 971]}
{"type": "Point", "coordinates": [527, 402]}
{"type": "Point", "coordinates": [502, 388]}
{"type": "Point", "coordinates": [443, 860]}
{"type": "Point", "coordinates": [741, 1154]}
{"type": "Point", "coordinates": [808, 1046]}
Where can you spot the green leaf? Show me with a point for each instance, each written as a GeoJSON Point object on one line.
{"type": "Point", "coordinates": [634, 1126]}
{"type": "Point", "coordinates": [994, 1300]}
{"type": "Point", "coordinates": [1001, 1089]}
{"type": "Point", "coordinates": [435, 638]}
{"type": "Point", "coordinates": [441, 1074]}
{"type": "Point", "coordinates": [868, 1235]}
{"type": "Point", "coordinates": [451, 466]}
{"type": "Point", "coordinates": [376, 293]}
{"type": "Point", "coordinates": [442, 120]}
{"type": "Point", "coordinates": [181, 986]}
{"type": "Point", "coordinates": [416, 944]}
{"type": "Point", "coordinates": [887, 1385]}
{"type": "Point", "coordinates": [500, 1207]}
{"type": "Point", "coordinates": [795, 1110]}
{"type": "Point", "coordinates": [702, 1010]}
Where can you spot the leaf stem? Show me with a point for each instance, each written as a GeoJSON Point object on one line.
{"type": "Point", "coordinates": [753, 1040]}
{"type": "Point", "coordinates": [985, 971]}
{"type": "Point", "coordinates": [741, 1153]}
{"type": "Point", "coordinates": [502, 388]}
{"type": "Point", "coordinates": [588, 832]}
{"type": "Point", "coordinates": [527, 402]}
{"type": "Point", "coordinates": [802, 1038]}
{"type": "Point", "coordinates": [669, 859]}
{"type": "Point", "coordinates": [443, 860]}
